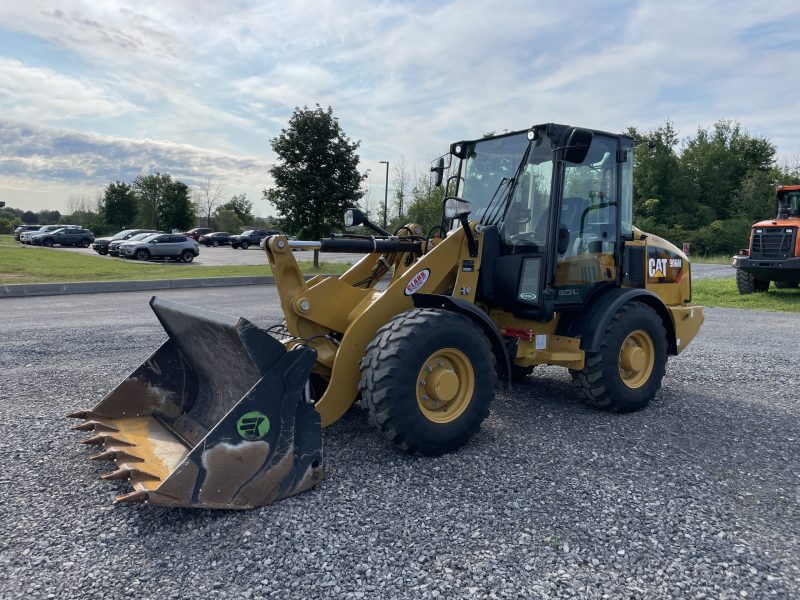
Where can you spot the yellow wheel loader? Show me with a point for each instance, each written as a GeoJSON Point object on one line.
{"type": "Point", "coordinates": [536, 262]}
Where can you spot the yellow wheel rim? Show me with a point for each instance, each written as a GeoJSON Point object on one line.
{"type": "Point", "coordinates": [445, 384]}
{"type": "Point", "coordinates": [636, 359]}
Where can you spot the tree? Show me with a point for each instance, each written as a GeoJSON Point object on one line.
{"type": "Point", "coordinates": [241, 206]}
{"type": "Point", "coordinates": [119, 204]}
{"type": "Point", "coordinates": [402, 181]}
{"type": "Point", "coordinates": [208, 196]}
{"type": "Point", "coordinates": [149, 191]}
{"type": "Point", "coordinates": [426, 203]}
{"type": "Point", "coordinates": [175, 211]}
{"type": "Point", "coordinates": [30, 218]}
{"type": "Point", "coordinates": [228, 220]}
{"type": "Point", "coordinates": [316, 176]}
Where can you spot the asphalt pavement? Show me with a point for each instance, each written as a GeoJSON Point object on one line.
{"type": "Point", "coordinates": [224, 255]}
{"type": "Point", "coordinates": [695, 497]}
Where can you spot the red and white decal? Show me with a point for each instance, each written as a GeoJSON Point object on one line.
{"type": "Point", "coordinates": [417, 281]}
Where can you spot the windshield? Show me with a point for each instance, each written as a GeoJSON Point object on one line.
{"type": "Point", "coordinates": [789, 203]}
{"type": "Point", "coordinates": [123, 234]}
{"type": "Point", "coordinates": [523, 218]}
{"type": "Point", "coordinates": [145, 237]}
{"type": "Point", "coordinates": [248, 232]}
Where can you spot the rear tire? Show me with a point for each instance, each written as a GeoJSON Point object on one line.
{"type": "Point", "coordinates": [244, 245]}
{"type": "Point", "coordinates": [748, 284]}
{"type": "Point", "coordinates": [625, 374]}
{"type": "Point", "coordinates": [441, 414]}
{"type": "Point", "coordinates": [142, 255]}
{"type": "Point", "coordinates": [187, 256]}
{"type": "Point", "coordinates": [785, 285]}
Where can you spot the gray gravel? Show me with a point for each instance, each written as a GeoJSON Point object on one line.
{"type": "Point", "coordinates": [695, 497]}
{"type": "Point", "coordinates": [709, 271]}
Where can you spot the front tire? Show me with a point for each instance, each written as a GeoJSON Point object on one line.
{"type": "Point", "coordinates": [85, 243]}
{"type": "Point", "coordinates": [625, 374]}
{"type": "Point", "coordinates": [244, 245]}
{"type": "Point", "coordinates": [142, 255]}
{"type": "Point", "coordinates": [748, 284]}
{"type": "Point", "coordinates": [47, 243]}
{"type": "Point", "coordinates": [427, 380]}
{"type": "Point", "coordinates": [215, 243]}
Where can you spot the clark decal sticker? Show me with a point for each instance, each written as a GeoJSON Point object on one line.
{"type": "Point", "coordinates": [417, 281]}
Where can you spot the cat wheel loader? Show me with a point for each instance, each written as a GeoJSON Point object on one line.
{"type": "Point", "coordinates": [536, 262]}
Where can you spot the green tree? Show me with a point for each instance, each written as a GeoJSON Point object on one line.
{"type": "Point", "coordinates": [227, 220]}
{"type": "Point", "coordinates": [49, 216]}
{"type": "Point", "coordinates": [175, 210]}
{"type": "Point", "coordinates": [716, 162]}
{"type": "Point", "coordinates": [119, 205]}
{"type": "Point", "coordinates": [316, 176]}
{"type": "Point", "coordinates": [241, 206]}
{"type": "Point", "coordinates": [30, 218]}
{"type": "Point", "coordinates": [149, 191]}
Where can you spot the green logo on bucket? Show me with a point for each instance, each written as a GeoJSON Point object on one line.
{"type": "Point", "coordinates": [253, 425]}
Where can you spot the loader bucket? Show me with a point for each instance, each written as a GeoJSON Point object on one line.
{"type": "Point", "coordinates": [217, 417]}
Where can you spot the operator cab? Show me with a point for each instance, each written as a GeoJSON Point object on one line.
{"type": "Point", "coordinates": [554, 203]}
{"type": "Point", "coordinates": [788, 199]}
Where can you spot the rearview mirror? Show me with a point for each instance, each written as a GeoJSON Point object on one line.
{"type": "Point", "coordinates": [353, 217]}
{"type": "Point", "coordinates": [439, 170]}
{"type": "Point", "coordinates": [455, 208]}
{"type": "Point", "coordinates": [577, 143]}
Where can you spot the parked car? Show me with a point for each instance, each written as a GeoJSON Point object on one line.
{"type": "Point", "coordinates": [64, 237]}
{"type": "Point", "coordinates": [26, 236]}
{"type": "Point", "coordinates": [23, 228]}
{"type": "Point", "coordinates": [113, 247]}
{"type": "Point", "coordinates": [161, 245]}
{"type": "Point", "coordinates": [101, 244]}
{"type": "Point", "coordinates": [251, 237]}
{"type": "Point", "coordinates": [218, 238]}
{"type": "Point", "coordinates": [197, 232]}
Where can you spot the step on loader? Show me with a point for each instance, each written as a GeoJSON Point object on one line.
{"type": "Point", "coordinates": [536, 262]}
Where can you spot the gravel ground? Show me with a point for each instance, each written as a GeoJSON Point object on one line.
{"type": "Point", "coordinates": [710, 271]}
{"type": "Point", "coordinates": [695, 497]}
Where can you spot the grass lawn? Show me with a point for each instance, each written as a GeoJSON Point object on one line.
{"type": "Point", "coordinates": [23, 264]}
{"type": "Point", "coordinates": [723, 292]}
{"type": "Point", "coordinates": [716, 259]}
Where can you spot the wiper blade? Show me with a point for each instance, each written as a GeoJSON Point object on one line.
{"type": "Point", "coordinates": [489, 214]}
{"type": "Point", "coordinates": [500, 209]}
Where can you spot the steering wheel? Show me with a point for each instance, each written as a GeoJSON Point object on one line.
{"type": "Point", "coordinates": [518, 215]}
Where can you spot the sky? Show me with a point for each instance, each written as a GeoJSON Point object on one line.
{"type": "Point", "coordinates": [98, 91]}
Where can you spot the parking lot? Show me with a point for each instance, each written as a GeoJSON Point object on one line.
{"type": "Point", "coordinates": [695, 497]}
{"type": "Point", "coordinates": [225, 255]}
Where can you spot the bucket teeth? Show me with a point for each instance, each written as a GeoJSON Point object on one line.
{"type": "Point", "coordinates": [94, 426]}
{"type": "Point", "coordinates": [138, 496]}
{"type": "Point", "coordinates": [130, 475]}
{"type": "Point", "coordinates": [118, 455]}
{"type": "Point", "coordinates": [108, 440]}
{"type": "Point", "coordinates": [80, 414]}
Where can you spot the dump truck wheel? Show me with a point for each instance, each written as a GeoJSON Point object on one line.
{"type": "Point", "coordinates": [747, 284]}
{"type": "Point", "coordinates": [785, 285]}
{"type": "Point", "coordinates": [625, 374]}
{"type": "Point", "coordinates": [427, 380]}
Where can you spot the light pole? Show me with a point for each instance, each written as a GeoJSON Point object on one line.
{"type": "Point", "coordinates": [386, 194]}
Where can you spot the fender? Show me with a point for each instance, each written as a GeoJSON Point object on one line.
{"type": "Point", "coordinates": [590, 324]}
{"type": "Point", "coordinates": [477, 316]}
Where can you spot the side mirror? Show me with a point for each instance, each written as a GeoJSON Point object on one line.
{"type": "Point", "coordinates": [563, 239]}
{"type": "Point", "coordinates": [353, 217]}
{"type": "Point", "coordinates": [456, 208]}
{"type": "Point", "coordinates": [439, 170]}
{"type": "Point", "coordinates": [577, 143]}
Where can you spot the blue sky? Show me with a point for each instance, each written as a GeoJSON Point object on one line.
{"type": "Point", "coordinates": [96, 91]}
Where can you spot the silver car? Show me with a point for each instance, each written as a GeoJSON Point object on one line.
{"type": "Point", "coordinates": [161, 245]}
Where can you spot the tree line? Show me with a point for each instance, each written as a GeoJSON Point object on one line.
{"type": "Point", "coordinates": [152, 201]}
